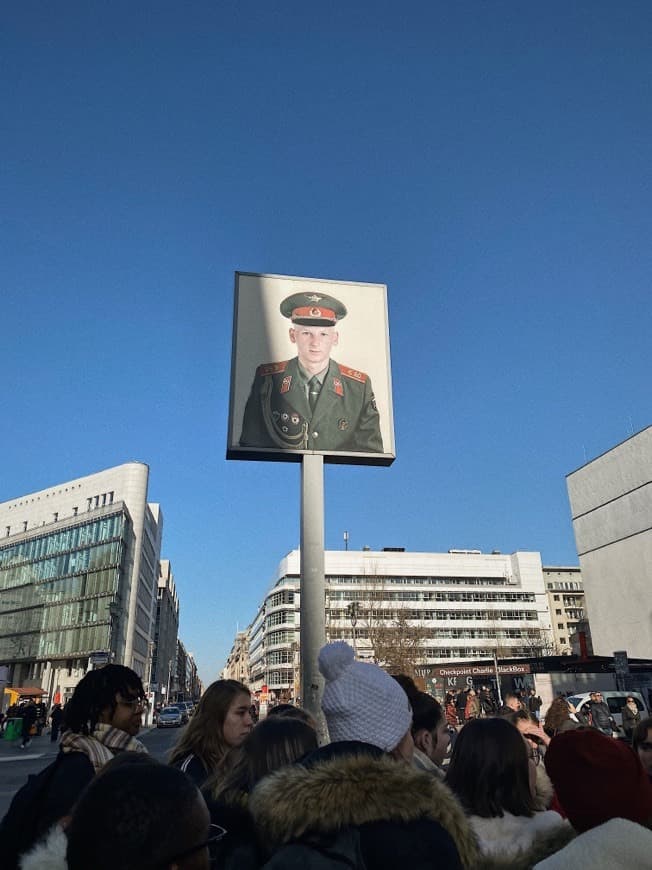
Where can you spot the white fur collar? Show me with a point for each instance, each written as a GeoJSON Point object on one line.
{"type": "Point", "coordinates": [48, 854]}
{"type": "Point", "coordinates": [509, 835]}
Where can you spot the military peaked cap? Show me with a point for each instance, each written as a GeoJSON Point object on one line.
{"type": "Point", "coordinates": [313, 309]}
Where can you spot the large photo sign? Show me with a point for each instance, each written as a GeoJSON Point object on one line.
{"type": "Point", "coordinates": [310, 371]}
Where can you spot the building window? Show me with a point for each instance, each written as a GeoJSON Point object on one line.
{"type": "Point", "coordinates": [562, 640]}
{"type": "Point", "coordinates": [560, 625]}
{"type": "Point", "coordinates": [74, 511]}
{"type": "Point", "coordinates": [8, 530]}
{"type": "Point", "coordinates": [557, 612]}
{"type": "Point", "coordinates": [56, 516]}
{"type": "Point", "coordinates": [555, 597]}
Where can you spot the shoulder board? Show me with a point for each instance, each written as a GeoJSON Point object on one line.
{"type": "Point", "coordinates": [271, 368]}
{"type": "Point", "coordinates": [356, 375]}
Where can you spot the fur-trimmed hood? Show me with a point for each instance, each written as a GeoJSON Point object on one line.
{"type": "Point", "coordinates": [350, 790]}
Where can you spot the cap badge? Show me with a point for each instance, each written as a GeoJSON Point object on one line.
{"type": "Point", "coordinates": [314, 298]}
{"type": "Point", "coordinates": [315, 312]}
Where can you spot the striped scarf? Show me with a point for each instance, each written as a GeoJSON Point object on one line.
{"type": "Point", "coordinates": [101, 745]}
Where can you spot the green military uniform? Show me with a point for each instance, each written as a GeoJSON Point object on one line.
{"type": "Point", "coordinates": [278, 411]}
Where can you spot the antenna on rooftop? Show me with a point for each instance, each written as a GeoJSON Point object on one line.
{"type": "Point", "coordinates": [346, 540]}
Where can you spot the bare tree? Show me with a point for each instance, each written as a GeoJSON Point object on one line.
{"type": "Point", "coordinates": [398, 646]}
{"type": "Point", "coordinates": [396, 634]}
{"type": "Point", "coordinates": [537, 642]}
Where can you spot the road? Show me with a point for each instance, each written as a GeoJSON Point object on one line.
{"type": "Point", "coordinates": [17, 764]}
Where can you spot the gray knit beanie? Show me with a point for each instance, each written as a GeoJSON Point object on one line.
{"type": "Point", "coordinates": [361, 701]}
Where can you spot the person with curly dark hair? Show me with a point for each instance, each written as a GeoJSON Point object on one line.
{"type": "Point", "coordinates": [101, 719]}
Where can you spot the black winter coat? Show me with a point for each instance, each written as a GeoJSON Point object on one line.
{"type": "Point", "coordinates": [23, 826]}
{"type": "Point", "coordinates": [352, 796]}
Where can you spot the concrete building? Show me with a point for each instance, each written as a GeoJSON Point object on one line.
{"type": "Point", "coordinates": [237, 664]}
{"type": "Point", "coordinates": [79, 565]}
{"type": "Point", "coordinates": [566, 602]}
{"type": "Point", "coordinates": [611, 507]}
{"type": "Point", "coordinates": [185, 684]}
{"type": "Point", "coordinates": [458, 605]}
{"type": "Point", "coordinates": [166, 632]}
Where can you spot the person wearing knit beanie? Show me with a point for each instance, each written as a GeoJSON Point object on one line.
{"type": "Point", "coordinates": [357, 801]}
{"type": "Point", "coordinates": [361, 701]}
{"type": "Point", "coordinates": [597, 778]}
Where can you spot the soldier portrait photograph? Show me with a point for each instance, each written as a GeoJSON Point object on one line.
{"type": "Point", "coordinates": [307, 389]}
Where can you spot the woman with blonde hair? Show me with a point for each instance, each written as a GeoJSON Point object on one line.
{"type": "Point", "coordinates": [221, 722]}
{"type": "Point", "coordinates": [558, 718]}
{"type": "Point", "coordinates": [274, 743]}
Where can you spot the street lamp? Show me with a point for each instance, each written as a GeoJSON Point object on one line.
{"type": "Point", "coordinates": [352, 613]}
{"type": "Point", "coordinates": [167, 698]}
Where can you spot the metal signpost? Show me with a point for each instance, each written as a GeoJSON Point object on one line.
{"type": "Point", "coordinates": [296, 398]}
{"type": "Point", "coordinates": [313, 630]}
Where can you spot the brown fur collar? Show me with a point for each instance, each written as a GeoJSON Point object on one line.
{"type": "Point", "coordinates": [353, 790]}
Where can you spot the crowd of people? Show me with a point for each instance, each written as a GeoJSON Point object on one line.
{"type": "Point", "coordinates": [404, 781]}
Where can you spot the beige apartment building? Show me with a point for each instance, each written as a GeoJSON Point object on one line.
{"type": "Point", "coordinates": [565, 593]}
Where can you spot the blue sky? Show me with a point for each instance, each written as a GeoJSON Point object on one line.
{"type": "Point", "coordinates": [488, 161]}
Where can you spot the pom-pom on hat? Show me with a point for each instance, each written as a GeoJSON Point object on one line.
{"type": "Point", "coordinates": [597, 778]}
{"type": "Point", "coordinates": [361, 701]}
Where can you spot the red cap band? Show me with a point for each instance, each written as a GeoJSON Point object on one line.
{"type": "Point", "coordinates": [314, 314]}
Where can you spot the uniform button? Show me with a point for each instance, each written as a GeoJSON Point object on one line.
{"type": "Point", "coordinates": [315, 434]}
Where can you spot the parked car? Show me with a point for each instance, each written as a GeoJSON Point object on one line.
{"type": "Point", "coordinates": [615, 701]}
{"type": "Point", "coordinates": [169, 717]}
{"type": "Point", "coordinates": [180, 706]}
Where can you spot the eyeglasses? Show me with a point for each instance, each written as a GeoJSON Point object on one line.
{"type": "Point", "coordinates": [215, 834]}
{"type": "Point", "coordinates": [134, 703]}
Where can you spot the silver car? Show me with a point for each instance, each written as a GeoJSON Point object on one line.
{"type": "Point", "coordinates": [169, 717]}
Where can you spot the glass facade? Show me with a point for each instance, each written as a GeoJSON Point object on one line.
{"type": "Point", "coordinates": [56, 590]}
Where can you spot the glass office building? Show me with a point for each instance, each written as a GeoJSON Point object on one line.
{"type": "Point", "coordinates": [58, 589]}
{"type": "Point", "coordinates": [79, 566]}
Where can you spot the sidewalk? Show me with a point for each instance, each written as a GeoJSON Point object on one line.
{"type": "Point", "coordinates": [39, 747]}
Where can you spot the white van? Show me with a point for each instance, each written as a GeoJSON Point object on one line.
{"type": "Point", "coordinates": [615, 701]}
